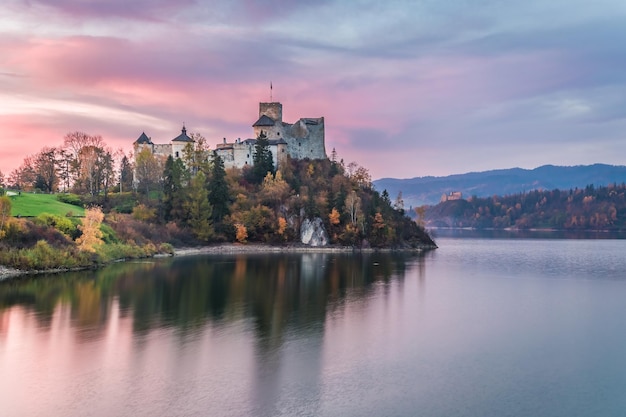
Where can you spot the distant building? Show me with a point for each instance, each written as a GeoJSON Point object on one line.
{"type": "Point", "coordinates": [455, 195]}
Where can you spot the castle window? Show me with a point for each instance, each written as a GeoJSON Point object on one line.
{"type": "Point", "coordinates": [278, 133]}
{"type": "Point", "coordinates": [299, 144]}
{"type": "Point", "coordinates": [177, 154]}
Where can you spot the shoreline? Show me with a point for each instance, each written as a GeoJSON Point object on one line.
{"type": "Point", "coordinates": [222, 249]}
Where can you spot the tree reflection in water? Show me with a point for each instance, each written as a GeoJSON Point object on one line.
{"type": "Point", "coordinates": [277, 292]}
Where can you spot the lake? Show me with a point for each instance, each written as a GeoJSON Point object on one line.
{"type": "Point", "coordinates": [498, 326]}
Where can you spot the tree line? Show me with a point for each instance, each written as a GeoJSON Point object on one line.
{"type": "Point", "coordinates": [83, 164]}
{"type": "Point", "coordinates": [589, 208]}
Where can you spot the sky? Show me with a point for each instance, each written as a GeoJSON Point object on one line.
{"type": "Point", "coordinates": [407, 88]}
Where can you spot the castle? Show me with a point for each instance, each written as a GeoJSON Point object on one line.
{"type": "Point", "coordinates": [303, 139]}
{"type": "Point", "coordinates": [174, 148]}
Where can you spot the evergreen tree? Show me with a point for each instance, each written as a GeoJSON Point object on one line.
{"type": "Point", "coordinates": [219, 194]}
{"type": "Point", "coordinates": [263, 160]}
{"type": "Point", "coordinates": [126, 174]}
{"type": "Point", "coordinates": [173, 192]}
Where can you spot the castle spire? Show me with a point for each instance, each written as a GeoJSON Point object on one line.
{"type": "Point", "coordinates": [184, 129]}
{"type": "Point", "coordinates": [271, 92]}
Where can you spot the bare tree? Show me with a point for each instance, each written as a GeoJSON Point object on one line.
{"type": "Point", "coordinates": [74, 144]}
{"type": "Point", "coordinates": [353, 207]}
{"type": "Point", "coordinates": [23, 177]}
{"type": "Point", "coordinates": [45, 166]}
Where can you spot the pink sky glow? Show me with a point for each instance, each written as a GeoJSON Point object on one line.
{"type": "Point", "coordinates": [406, 89]}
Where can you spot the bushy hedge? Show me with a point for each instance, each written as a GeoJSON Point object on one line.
{"type": "Point", "coordinates": [45, 243]}
{"type": "Point", "coordinates": [72, 199]}
{"type": "Point", "coordinates": [44, 256]}
{"type": "Point", "coordinates": [62, 224]}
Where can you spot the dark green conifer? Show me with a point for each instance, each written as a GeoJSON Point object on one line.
{"type": "Point", "coordinates": [219, 194]}
{"type": "Point", "coordinates": [262, 158]}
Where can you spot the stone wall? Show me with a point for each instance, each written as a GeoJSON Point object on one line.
{"type": "Point", "coordinates": [162, 149]}
{"type": "Point", "coordinates": [305, 139]}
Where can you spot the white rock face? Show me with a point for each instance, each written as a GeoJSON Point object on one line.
{"type": "Point", "coordinates": [312, 232]}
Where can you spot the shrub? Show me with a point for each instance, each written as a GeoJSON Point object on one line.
{"type": "Point", "coordinates": [144, 213]}
{"type": "Point", "coordinates": [23, 233]}
{"type": "Point", "coordinates": [166, 248]}
{"type": "Point", "coordinates": [62, 224]}
{"type": "Point", "coordinates": [108, 234]}
{"type": "Point", "coordinates": [123, 202]}
{"type": "Point", "coordinates": [72, 199]}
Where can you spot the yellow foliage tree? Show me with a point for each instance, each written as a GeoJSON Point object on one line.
{"type": "Point", "coordinates": [92, 235]}
{"type": "Point", "coordinates": [242, 233]}
{"type": "Point", "coordinates": [144, 213]}
{"type": "Point", "coordinates": [5, 213]}
{"type": "Point", "coordinates": [275, 189]}
{"type": "Point", "coordinates": [282, 225]}
{"type": "Point", "coordinates": [334, 216]}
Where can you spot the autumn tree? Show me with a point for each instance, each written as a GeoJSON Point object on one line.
{"type": "Point", "coordinates": [91, 236]}
{"type": "Point", "coordinates": [274, 189]}
{"type": "Point", "coordinates": [74, 144]}
{"type": "Point", "coordinates": [45, 169]}
{"type": "Point", "coordinates": [5, 213]}
{"type": "Point", "coordinates": [196, 155]}
{"type": "Point", "coordinates": [241, 233]}
{"type": "Point", "coordinates": [148, 171]}
{"type": "Point", "coordinates": [334, 217]}
{"type": "Point", "coordinates": [353, 207]}
{"type": "Point", "coordinates": [199, 211]}
{"type": "Point", "coordinates": [24, 176]}
{"type": "Point", "coordinates": [282, 227]}
{"type": "Point", "coordinates": [378, 229]}
{"type": "Point", "coordinates": [359, 175]}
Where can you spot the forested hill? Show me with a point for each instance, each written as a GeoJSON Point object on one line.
{"type": "Point", "coordinates": [428, 190]}
{"type": "Point", "coordinates": [589, 208]}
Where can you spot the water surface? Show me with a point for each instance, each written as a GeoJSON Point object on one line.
{"type": "Point", "coordinates": [479, 327]}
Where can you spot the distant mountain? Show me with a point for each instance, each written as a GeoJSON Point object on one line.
{"type": "Point", "coordinates": [428, 190]}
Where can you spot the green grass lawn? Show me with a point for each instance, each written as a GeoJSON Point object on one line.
{"type": "Point", "coordinates": [28, 204]}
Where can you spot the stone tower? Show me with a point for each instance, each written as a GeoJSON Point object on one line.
{"type": "Point", "coordinates": [272, 110]}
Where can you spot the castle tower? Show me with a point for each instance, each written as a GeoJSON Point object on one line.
{"type": "Point", "coordinates": [179, 142]}
{"type": "Point", "coordinates": [270, 120]}
{"type": "Point", "coordinates": [272, 110]}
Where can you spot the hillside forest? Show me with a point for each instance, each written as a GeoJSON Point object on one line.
{"type": "Point", "coordinates": [138, 205]}
{"type": "Point", "coordinates": [589, 208]}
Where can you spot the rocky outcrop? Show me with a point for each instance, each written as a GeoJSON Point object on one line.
{"type": "Point", "coordinates": [312, 232]}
